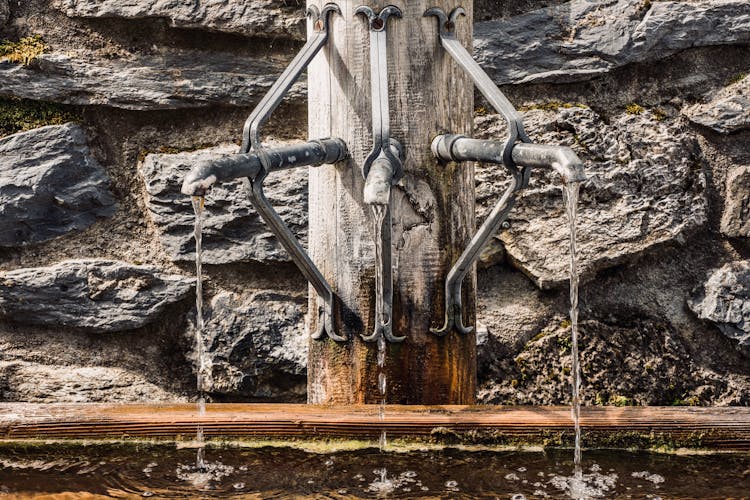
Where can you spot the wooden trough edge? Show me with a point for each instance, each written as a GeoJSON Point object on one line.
{"type": "Point", "coordinates": [726, 428]}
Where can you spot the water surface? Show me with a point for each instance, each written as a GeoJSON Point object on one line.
{"type": "Point", "coordinates": [166, 472]}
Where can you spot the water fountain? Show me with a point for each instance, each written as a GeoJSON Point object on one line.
{"type": "Point", "coordinates": [390, 263]}
{"type": "Point", "coordinates": [382, 169]}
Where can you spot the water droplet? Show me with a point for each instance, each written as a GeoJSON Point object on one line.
{"type": "Point", "coordinates": [381, 383]}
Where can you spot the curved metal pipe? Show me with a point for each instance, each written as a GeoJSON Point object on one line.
{"type": "Point", "coordinates": [562, 159]}
{"type": "Point", "coordinates": [208, 172]}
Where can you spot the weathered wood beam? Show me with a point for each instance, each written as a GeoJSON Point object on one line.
{"type": "Point", "coordinates": [697, 427]}
{"type": "Point", "coordinates": [432, 210]}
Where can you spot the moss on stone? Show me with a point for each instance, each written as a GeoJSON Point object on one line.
{"type": "Point", "coordinates": [20, 115]}
{"type": "Point", "coordinates": [553, 106]}
{"type": "Point", "coordinates": [659, 115]}
{"type": "Point", "coordinates": [736, 78]}
{"type": "Point", "coordinates": [634, 109]}
{"type": "Point", "coordinates": [23, 51]}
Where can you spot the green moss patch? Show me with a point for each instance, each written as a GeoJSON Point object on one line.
{"type": "Point", "coordinates": [23, 51]}
{"type": "Point", "coordinates": [19, 115]}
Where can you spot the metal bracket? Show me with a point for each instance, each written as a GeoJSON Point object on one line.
{"type": "Point", "coordinates": [381, 127]}
{"type": "Point", "coordinates": [455, 278]}
{"type": "Point", "coordinates": [447, 34]}
{"type": "Point", "coordinates": [385, 156]}
{"type": "Point", "coordinates": [251, 143]}
{"type": "Point", "coordinates": [520, 178]}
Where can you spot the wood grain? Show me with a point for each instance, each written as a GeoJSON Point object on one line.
{"type": "Point", "coordinates": [716, 428]}
{"type": "Point", "coordinates": [433, 211]}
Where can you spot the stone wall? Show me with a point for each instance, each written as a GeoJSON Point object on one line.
{"type": "Point", "coordinates": [104, 104]}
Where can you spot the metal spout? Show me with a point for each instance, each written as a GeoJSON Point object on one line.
{"type": "Point", "coordinates": [208, 172]}
{"type": "Point", "coordinates": [378, 183]}
{"type": "Point", "coordinates": [562, 159]}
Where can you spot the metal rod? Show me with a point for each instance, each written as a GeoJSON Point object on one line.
{"type": "Point", "coordinates": [451, 44]}
{"type": "Point", "coordinates": [452, 147]}
{"type": "Point", "coordinates": [381, 169]}
{"type": "Point", "coordinates": [255, 162]}
{"type": "Point", "coordinates": [272, 99]}
{"type": "Point", "coordinates": [299, 256]}
{"type": "Point", "coordinates": [205, 173]}
{"type": "Point", "coordinates": [453, 309]}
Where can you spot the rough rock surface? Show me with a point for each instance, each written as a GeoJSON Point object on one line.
{"type": "Point", "coordinates": [582, 39]}
{"type": "Point", "coordinates": [174, 79]}
{"type": "Point", "coordinates": [724, 299]}
{"type": "Point", "coordinates": [232, 229]}
{"type": "Point", "coordinates": [735, 222]}
{"type": "Point", "coordinates": [266, 18]}
{"type": "Point", "coordinates": [95, 295]}
{"type": "Point", "coordinates": [642, 364]}
{"type": "Point", "coordinates": [49, 185]}
{"type": "Point", "coordinates": [4, 12]}
{"type": "Point", "coordinates": [645, 188]}
{"type": "Point", "coordinates": [256, 346]}
{"type": "Point", "coordinates": [727, 111]}
{"type": "Point", "coordinates": [38, 383]}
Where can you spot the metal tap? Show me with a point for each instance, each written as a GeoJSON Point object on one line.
{"type": "Point", "coordinates": [381, 169]}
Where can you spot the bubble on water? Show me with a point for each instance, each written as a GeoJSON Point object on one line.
{"type": "Point", "coordinates": [596, 468]}
{"type": "Point", "coordinates": [310, 481]}
{"type": "Point", "coordinates": [329, 462]}
{"type": "Point", "coordinates": [343, 491]}
{"type": "Point", "coordinates": [148, 469]}
{"type": "Point", "coordinates": [594, 485]}
{"type": "Point", "coordinates": [243, 468]}
{"type": "Point", "coordinates": [521, 469]}
{"type": "Point", "coordinates": [382, 486]}
{"type": "Point", "coordinates": [512, 476]}
{"type": "Point", "coordinates": [425, 488]}
{"type": "Point", "coordinates": [654, 478]}
{"type": "Point", "coordinates": [147, 494]}
{"type": "Point", "coordinates": [410, 473]}
{"type": "Point", "coordinates": [202, 477]}
{"type": "Point", "coordinates": [238, 486]}
{"type": "Point", "coordinates": [541, 494]}
{"type": "Point", "coordinates": [451, 485]}
{"type": "Point", "coordinates": [518, 496]}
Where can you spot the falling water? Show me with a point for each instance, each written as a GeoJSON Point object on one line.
{"type": "Point", "coordinates": [380, 212]}
{"type": "Point", "coordinates": [571, 204]}
{"type": "Point", "coordinates": [198, 202]}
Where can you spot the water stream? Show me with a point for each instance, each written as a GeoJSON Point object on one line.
{"type": "Point", "coordinates": [198, 202]}
{"type": "Point", "coordinates": [570, 192]}
{"type": "Point", "coordinates": [380, 212]}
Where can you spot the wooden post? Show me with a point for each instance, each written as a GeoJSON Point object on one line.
{"type": "Point", "coordinates": [432, 207]}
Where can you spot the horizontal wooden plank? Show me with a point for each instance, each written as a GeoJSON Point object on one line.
{"type": "Point", "coordinates": [718, 428]}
